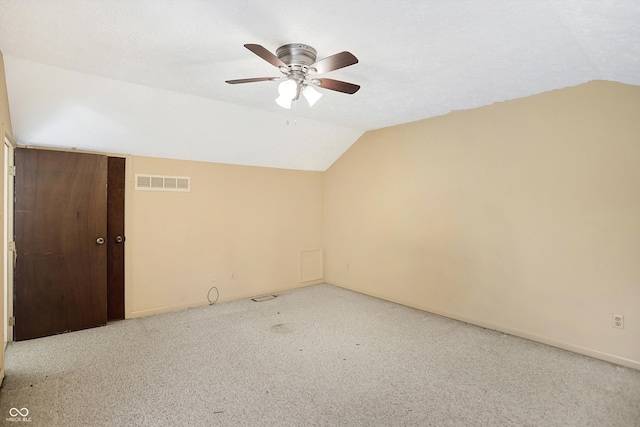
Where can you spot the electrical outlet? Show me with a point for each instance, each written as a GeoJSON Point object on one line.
{"type": "Point", "coordinates": [213, 278]}
{"type": "Point", "coordinates": [348, 266]}
{"type": "Point", "coordinates": [618, 321]}
{"type": "Point", "coordinates": [232, 275]}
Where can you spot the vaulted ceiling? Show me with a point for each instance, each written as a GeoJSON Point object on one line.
{"type": "Point", "coordinates": [147, 77]}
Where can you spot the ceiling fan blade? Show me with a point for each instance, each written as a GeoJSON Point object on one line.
{"type": "Point", "coordinates": [337, 85]}
{"type": "Point", "coordinates": [252, 80]}
{"type": "Point", "coordinates": [266, 55]}
{"type": "Point", "coordinates": [334, 62]}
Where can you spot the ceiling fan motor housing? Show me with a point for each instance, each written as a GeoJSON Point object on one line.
{"type": "Point", "coordinates": [297, 55]}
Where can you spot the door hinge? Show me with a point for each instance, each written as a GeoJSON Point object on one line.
{"type": "Point", "coordinates": [12, 170]}
{"type": "Point", "coordinates": [12, 321]}
{"type": "Point", "coordinates": [11, 246]}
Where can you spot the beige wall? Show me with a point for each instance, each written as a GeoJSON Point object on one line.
{"type": "Point", "coordinates": [522, 216]}
{"type": "Point", "coordinates": [250, 220]}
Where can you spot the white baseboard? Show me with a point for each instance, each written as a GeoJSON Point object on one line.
{"type": "Point", "coordinates": [169, 308]}
{"type": "Point", "coordinates": [619, 360]}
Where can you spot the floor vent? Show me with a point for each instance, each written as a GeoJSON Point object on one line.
{"type": "Point", "coordinates": [162, 183]}
{"type": "Point", "coordinates": [263, 298]}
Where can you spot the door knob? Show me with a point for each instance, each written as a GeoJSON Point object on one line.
{"type": "Point", "coordinates": [100, 240]}
{"type": "Point", "coordinates": [119, 239]}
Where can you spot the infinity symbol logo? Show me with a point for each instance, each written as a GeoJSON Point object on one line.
{"type": "Point", "coordinates": [14, 412]}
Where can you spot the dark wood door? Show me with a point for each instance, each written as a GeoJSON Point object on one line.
{"type": "Point", "coordinates": [115, 239]}
{"type": "Point", "coordinates": [60, 215]}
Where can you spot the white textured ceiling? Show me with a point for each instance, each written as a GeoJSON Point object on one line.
{"type": "Point", "coordinates": [147, 76]}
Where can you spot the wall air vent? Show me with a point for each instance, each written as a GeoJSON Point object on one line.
{"type": "Point", "coordinates": [162, 183]}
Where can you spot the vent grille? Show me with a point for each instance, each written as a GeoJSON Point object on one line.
{"type": "Point", "coordinates": [162, 183]}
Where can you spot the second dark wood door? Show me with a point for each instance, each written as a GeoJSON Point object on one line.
{"type": "Point", "coordinates": [115, 238]}
{"type": "Point", "coordinates": [60, 215]}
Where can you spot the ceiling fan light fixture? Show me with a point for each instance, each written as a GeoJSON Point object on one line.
{"type": "Point", "coordinates": [287, 90]}
{"type": "Point", "coordinates": [284, 102]}
{"type": "Point", "coordinates": [311, 95]}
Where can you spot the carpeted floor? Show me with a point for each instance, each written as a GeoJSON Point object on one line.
{"type": "Point", "coordinates": [319, 355]}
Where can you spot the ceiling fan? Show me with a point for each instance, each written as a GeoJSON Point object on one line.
{"type": "Point", "coordinates": [297, 62]}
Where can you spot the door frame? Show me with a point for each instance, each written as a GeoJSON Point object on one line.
{"type": "Point", "coordinates": [8, 258]}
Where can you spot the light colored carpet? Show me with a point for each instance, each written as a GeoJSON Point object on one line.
{"type": "Point", "coordinates": [319, 355]}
